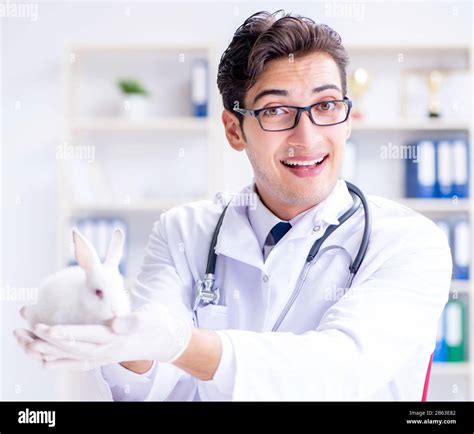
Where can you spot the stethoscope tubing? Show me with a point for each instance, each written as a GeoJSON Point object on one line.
{"type": "Point", "coordinates": [354, 266]}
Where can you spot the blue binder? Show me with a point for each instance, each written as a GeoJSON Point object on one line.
{"type": "Point", "coordinates": [444, 169]}
{"type": "Point", "coordinates": [199, 87]}
{"type": "Point", "coordinates": [441, 350]}
{"type": "Point", "coordinates": [461, 249]}
{"type": "Point", "coordinates": [421, 171]}
{"type": "Point", "coordinates": [460, 160]}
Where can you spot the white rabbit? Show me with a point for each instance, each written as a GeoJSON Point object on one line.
{"type": "Point", "coordinates": [89, 293]}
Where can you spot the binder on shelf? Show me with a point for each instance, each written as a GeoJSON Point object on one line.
{"type": "Point", "coordinates": [461, 249]}
{"type": "Point", "coordinates": [460, 168]}
{"type": "Point", "coordinates": [440, 169]}
{"type": "Point", "coordinates": [441, 350]}
{"type": "Point", "coordinates": [455, 317]}
{"type": "Point", "coordinates": [444, 172]}
{"type": "Point", "coordinates": [199, 87]}
{"type": "Point", "coordinates": [421, 172]}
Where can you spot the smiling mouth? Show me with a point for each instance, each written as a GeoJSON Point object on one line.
{"type": "Point", "coordinates": [304, 164]}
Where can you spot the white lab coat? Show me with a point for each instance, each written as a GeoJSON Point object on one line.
{"type": "Point", "coordinates": [373, 343]}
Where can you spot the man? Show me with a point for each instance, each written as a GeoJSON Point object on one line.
{"type": "Point", "coordinates": [370, 341]}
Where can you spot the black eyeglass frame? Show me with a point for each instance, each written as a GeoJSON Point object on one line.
{"type": "Point", "coordinates": [256, 113]}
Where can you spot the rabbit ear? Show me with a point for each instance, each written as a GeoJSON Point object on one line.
{"type": "Point", "coordinates": [114, 252]}
{"type": "Point", "coordinates": [86, 255]}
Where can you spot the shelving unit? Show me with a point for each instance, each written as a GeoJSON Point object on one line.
{"type": "Point", "coordinates": [375, 131]}
{"type": "Point", "coordinates": [102, 127]}
{"type": "Point", "coordinates": [79, 126]}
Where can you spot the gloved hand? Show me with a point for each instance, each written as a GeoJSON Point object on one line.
{"type": "Point", "coordinates": [151, 332]}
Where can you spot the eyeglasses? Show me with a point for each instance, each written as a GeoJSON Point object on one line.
{"type": "Point", "coordinates": [286, 117]}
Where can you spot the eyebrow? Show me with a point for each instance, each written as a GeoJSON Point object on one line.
{"type": "Point", "coordinates": [282, 92]}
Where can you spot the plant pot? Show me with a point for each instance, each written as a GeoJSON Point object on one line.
{"type": "Point", "coordinates": [135, 106]}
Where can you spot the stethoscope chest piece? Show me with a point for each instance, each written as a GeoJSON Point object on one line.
{"type": "Point", "coordinates": [205, 292]}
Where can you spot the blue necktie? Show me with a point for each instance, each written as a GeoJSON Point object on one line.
{"type": "Point", "coordinates": [279, 231]}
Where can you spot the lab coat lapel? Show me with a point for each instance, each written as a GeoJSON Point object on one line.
{"type": "Point", "coordinates": [327, 213]}
{"type": "Point", "coordinates": [237, 240]}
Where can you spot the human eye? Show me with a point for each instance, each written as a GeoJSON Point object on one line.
{"type": "Point", "coordinates": [274, 111]}
{"type": "Point", "coordinates": [326, 106]}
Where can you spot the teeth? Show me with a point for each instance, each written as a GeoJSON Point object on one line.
{"type": "Point", "coordinates": [302, 163]}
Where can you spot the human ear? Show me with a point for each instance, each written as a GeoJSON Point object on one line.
{"type": "Point", "coordinates": [233, 131]}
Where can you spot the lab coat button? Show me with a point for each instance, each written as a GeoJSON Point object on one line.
{"type": "Point", "coordinates": [265, 278]}
{"type": "Point", "coordinates": [316, 228]}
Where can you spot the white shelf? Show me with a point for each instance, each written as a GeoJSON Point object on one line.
{"type": "Point", "coordinates": [152, 124]}
{"type": "Point", "coordinates": [451, 368]}
{"type": "Point", "coordinates": [436, 205]}
{"type": "Point", "coordinates": [461, 286]}
{"type": "Point", "coordinates": [410, 125]}
{"type": "Point", "coordinates": [136, 206]}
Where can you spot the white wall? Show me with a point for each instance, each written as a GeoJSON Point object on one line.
{"type": "Point", "coordinates": [32, 108]}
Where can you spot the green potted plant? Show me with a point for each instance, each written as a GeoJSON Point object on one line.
{"type": "Point", "coordinates": [135, 98]}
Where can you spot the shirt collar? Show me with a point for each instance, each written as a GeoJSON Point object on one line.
{"type": "Point", "coordinates": [263, 220]}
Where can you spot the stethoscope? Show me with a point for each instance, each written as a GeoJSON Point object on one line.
{"type": "Point", "coordinates": [206, 293]}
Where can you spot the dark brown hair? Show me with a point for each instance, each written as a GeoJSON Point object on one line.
{"type": "Point", "coordinates": [263, 37]}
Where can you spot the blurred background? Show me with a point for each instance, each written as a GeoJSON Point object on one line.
{"type": "Point", "coordinates": [110, 115]}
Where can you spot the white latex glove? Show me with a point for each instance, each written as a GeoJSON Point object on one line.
{"type": "Point", "coordinates": [151, 332]}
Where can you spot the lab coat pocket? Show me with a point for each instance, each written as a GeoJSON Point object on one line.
{"type": "Point", "coordinates": [214, 317]}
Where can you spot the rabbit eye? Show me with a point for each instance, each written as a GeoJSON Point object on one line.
{"type": "Point", "coordinates": [99, 293]}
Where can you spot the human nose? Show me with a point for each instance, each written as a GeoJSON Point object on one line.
{"type": "Point", "coordinates": [305, 133]}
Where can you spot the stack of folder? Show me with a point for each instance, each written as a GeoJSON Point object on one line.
{"type": "Point", "coordinates": [438, 169]}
